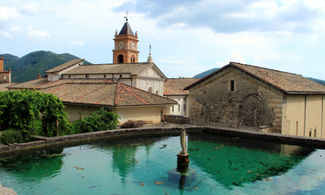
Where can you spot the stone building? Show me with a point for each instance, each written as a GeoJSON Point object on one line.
{"type": "Point", "coordinates": [174, 89]}
{"type": "Point", "coordinates": [134, 90]}
{"type": "Point", "coordinates": [5, 76]}
{"type": "Point", "coordinates": [246, 96]}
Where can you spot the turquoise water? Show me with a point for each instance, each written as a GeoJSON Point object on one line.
{"type": "Point", "coordinates": [147, 166]}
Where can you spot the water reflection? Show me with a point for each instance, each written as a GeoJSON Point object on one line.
{"type": "Point", "coordinates": [35, 166]}
{"type": "Point", "coordinates": [124, 160]}
{"type": "Point", "coordinates": [231, 165]}
{"type": "Point", "coordinates": [124, 153]}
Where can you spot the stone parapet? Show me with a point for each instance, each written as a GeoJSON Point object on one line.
{"type": "Point", "coordinates": [160, 131]}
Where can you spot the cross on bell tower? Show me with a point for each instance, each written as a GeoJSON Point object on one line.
{"type": "Point", "coordinates": [126, 45]}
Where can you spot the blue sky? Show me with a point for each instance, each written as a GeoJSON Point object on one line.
{"type": "Point", "coordinates": [187, 36]}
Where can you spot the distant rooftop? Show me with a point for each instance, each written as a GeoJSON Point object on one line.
{"type": "Point", "coordinates": [65, 65]}
{"type": "Point", "coordinates": [175, 86]}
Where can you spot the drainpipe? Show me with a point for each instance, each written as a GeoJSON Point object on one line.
{"type": "Point", "coordinates": [305, 113]}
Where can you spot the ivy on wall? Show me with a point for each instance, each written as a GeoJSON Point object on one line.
{"type": "Point", "coordinates": [19, 109]}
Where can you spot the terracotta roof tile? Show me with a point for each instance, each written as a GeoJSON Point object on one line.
{"type": "Point", "coordinates": [109, 68]}
{"type": "Point", "coordinates": [3, 86]}
{"type": "Point", "coordinates": [288, 83]}
{"type": "Point", "coordinates": [65, 65]}
{"type": "Point", "coordinates": [108, 94]}
{"type": "Point", "coordinates": [44, 83]}
{"type": "Point", "coordinates": [176, 86]}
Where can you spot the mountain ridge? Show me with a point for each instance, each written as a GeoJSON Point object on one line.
{"type": "Point", "coordinates": [28, 66]}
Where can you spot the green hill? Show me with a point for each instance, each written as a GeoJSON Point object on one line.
{"type": "Point", "coordinates": [205, 73]}
{"type": "Point", "coordinates": [317, 80]}
{"type": "Point", "coordinates": [27, 67]}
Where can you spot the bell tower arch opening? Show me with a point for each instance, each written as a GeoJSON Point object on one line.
{"type": "Point", "coordinates": [120, 59]}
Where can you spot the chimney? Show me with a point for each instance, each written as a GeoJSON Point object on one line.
{"type": "Point", "coordinates": [39, 76]}
{"type": "Point", "coordinates": [1, 64]}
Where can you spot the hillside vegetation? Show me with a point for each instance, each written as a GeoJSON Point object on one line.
{"type": "Point", "coordinates": [27, 67]}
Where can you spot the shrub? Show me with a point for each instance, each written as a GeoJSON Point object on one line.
{"type": "Point", "coordinates": [98, 121]}
{"type": "Point", "coordinates": [22, 108]}
{"type": "Point", "coordinates": [133, 124]}
{"type": "Point", "coordinates": [12, 136]}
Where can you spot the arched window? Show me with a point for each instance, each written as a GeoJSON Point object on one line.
{"type": "Point", "coordinates": [132, 59]}
{"type": "Point", "coordinates": [120, 59]}
{"type": "Point", "coordinates": [150, 89]}
{"type": "Point", "coordinates": [157, 92]}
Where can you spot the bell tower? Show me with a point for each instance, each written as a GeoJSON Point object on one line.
{"type": "Point", "coordinates": [126, 45]}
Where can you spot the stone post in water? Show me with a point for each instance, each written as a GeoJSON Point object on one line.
{"type": "Point", "coordinates": [182, 157]}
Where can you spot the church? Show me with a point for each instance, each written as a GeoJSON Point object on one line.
{"type": "Point", "coordinates": [132, 89]}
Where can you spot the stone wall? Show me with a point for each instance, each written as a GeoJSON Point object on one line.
{"type": "Point", "coordinates": [251, 103]}
{"type": "Point", "coordinates": [177, 119]}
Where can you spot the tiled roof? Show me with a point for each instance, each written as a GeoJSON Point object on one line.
{"type": "Point", "coordinates": [110, 68]}
{"type": "Point", "coordinates": [43, 83]}
{"type": "Point", "coordinates": [3, 86]}
{"type": "Point", "coordinates": [65, 65]}
{"type": "Point", "coordinates": [288, 83]}
{"type": "Point", "coordinates": [106, 94]}
{"type": "Point", "coordinates": [176, 86]}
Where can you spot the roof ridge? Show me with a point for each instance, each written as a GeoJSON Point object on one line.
{"type": "Point", "coordinates": [139, 98]}
{"type": "Point", "coordinates": [147, 91]}
{"type": "Point", "coordinates": [259, 67]}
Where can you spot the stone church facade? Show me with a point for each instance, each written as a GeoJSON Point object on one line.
{"type": "Point", "coordinates": [245, 96]}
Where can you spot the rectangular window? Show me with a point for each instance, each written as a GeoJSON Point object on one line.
{"type": "Point", "coordinates": [315, 132]}
{"type": "Point", "coordinates": [87, 76]}
{"type": "Point", "coordinates": [232, 85]}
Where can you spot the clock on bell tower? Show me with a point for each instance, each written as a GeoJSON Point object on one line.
{"type": "Point", "coordinates": [126, 45]}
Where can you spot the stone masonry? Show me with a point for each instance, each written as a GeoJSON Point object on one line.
{"type": "Point", "coordinates": [250, 104]}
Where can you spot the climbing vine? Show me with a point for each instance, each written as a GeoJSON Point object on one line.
{"type": "Point", "coordinates": [19, 110]}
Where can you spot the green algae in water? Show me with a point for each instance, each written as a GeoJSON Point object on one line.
{"type": "Point", "coordinates": [141, 166]}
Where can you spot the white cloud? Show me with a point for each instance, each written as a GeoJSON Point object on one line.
{"type": "Point", "coordinates": [8, 13]}
{"type": "Point", "coordinates": [78, 43]}
{"type": "Point", "coordinates": [30, 8]}
{"type": "Point", "coordinates": [14, 28]}
{"type": "Point", "coordinates": [38, 35]}
{"type": "Point", "coordinates": [6, 34]}
{"type": "Point", "coordinates": [237, 56]}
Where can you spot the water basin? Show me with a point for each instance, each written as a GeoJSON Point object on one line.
{"type": "Point", "coordinates": [218, 165]}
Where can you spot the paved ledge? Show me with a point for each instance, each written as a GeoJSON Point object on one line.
{"type": "Point", "coordinates": [87, 137]}
{"type": "Point", "coordinates": [159, 131]}
{"type": "Point", "coordinates": [268, 137]}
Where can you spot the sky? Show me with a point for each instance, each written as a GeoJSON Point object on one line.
{"type": "Point", "coordinates": [187, 36]}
